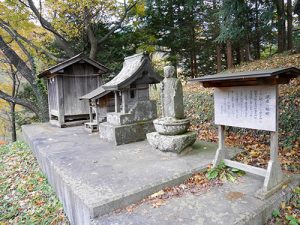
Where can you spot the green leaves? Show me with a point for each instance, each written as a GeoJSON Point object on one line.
{"type": "Point", "coordinates": [224, 173]}
{"type": "Point", "coordinates": [276, 213]}
{"type": "Point", "coordinates": [292, 219]}
{"type": "Point", "coordinates": [212, 174]}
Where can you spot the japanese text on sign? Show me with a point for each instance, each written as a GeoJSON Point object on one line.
{"type": "Point", "coordinates": [248, 107]}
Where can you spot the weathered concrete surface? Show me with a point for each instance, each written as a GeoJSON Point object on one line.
{"type": "Point", "coordinates": [92, 177]}
{"type": "Point", "coordinates": [232, 203]}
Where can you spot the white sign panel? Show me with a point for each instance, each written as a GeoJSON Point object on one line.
{"type": "Point", "coordinates": [248, 107]}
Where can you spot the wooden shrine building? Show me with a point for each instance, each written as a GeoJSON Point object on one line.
{"type": "Point", "coordinates": [66, 82]}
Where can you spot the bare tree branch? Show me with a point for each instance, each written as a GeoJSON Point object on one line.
{"type": "Point", "coordinates": [119, 23]}
{"type": "Point", "coordinates": [14, 36]}
{"type": "Point", "coordinates": [61, 41]}
{"type": "Point", "coordinates": [18, 63]}
{"type": "Point", "coordinates": [19, 101]}
{"type": "Point", "coordinates": [17, 35]}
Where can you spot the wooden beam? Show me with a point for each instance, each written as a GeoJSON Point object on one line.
{"type": "Point", "coordinates": [247, 168]}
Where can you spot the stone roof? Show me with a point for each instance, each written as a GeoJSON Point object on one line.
{"type": "Point", "coordinates": [70, 61]}
{"type": "Point", "coordinates": [97, 93]}
{"type": "Point", "coordinates": [134, 67]}
{"type": "Point", "coordinates": [272, 76]}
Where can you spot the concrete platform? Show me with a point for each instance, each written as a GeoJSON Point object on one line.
{"type": "Point", "coordinates": [232, 203]}
{"type": "Point", "coordinates": [92, 177]}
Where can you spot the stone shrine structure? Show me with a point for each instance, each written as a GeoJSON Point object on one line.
{"type": "Point", "coordinates": [134, 111]}
{"type": "Point", "coordinates": [171, 130]}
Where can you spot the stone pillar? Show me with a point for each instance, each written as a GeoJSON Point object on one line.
{"type": "Point", "coordinates": [117, 103]}
{"type": "Point", "coordinates": [171, 95]}
{"type": "Point", "coordinates": [124, 102]}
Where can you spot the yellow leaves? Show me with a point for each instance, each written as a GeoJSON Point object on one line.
{"type": "Point", "coordinates": [158, 202]}
{"type": "Point", "coordinates": [254, 153]}
{"type": "Point", "coordinates": [157, 194]}
{"type": "Point", "coordinates": [140, 8]}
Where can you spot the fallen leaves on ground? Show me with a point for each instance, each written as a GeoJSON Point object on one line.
{"type": "Point", "coordinates": [288, 212]}
{"type": "Point", "coordinates": [196, 184]}
{"type": "Point", "coordinates": [25, 195]}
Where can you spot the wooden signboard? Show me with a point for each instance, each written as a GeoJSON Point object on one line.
{"type": "Point", "coordinates": [247, 107]}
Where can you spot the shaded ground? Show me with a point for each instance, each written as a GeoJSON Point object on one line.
{"type": "Point", "coordinates": [25, 195]}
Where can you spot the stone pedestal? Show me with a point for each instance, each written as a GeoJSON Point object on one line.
{"type": "Point", "coordinates": [171, 143]}
{"type": "Point", "coordinates": [124, 128]}
{"type": "Point", "coordinates": [124, 134]}
{"type": "Point", "coordinates": [171, 135]}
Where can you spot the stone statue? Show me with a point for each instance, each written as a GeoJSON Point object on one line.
{"type": "Point", "coordinates": [171, 95]}
{"type": "Point", "coordinates": [172, 129]}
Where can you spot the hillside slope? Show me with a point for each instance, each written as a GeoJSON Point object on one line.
{"type": "Point", "coordinates": [199, 107]}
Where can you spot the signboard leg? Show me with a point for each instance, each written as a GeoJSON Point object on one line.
{"type": "Point", "coordinates": [221, 153]}
{"type": "Point", "coordinates": [274, 174]}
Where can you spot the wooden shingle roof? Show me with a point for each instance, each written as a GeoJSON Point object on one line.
{"type": "Point", "coordinates": [272, 76]}
{"type": "Point", "coordinates": [97, 93]}
{"type": "Point", "coordinates": [134, 67]}
{"type": "Point", "coordinates": [69, 62]}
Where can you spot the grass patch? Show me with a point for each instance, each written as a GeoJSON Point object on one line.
{"type": "Point", "coordinates": [25, 195]}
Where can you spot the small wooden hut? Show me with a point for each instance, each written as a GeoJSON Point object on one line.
{"type": "Point", "coordinates": [66, 82]}
{"type": "Point", "coordinates": [101, 102]}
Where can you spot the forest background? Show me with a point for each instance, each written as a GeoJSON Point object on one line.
{"type": "Point", "coordinates": [198, 37]}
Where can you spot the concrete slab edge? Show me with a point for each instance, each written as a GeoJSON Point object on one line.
{"type": "Point", "coordinates": [137, 195]}
{"type": "Point", "coordinates": [261, 214]}
{"type": "Point", "coordinates": [74, 207]}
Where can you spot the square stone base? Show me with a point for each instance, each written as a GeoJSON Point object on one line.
{"type": "Point", "coordinates": [171, 143]}
{"type": "Point", "coordinates": [124, 134]}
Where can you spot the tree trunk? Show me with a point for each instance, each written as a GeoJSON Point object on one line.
{"type": "Point", "coordinates": [14, 92]}
{"type": "Point", "coordinates": [239, 54]}
{"type": "Point", "coordinates": [229, 55]}
{"type": "Point", "coordinates": [289, 25]}
{"type": "Point", "coordinates": [281, 25]}
{"type": "Point", "coordinates": [13, 122]}
{"type": "Point", "coordinates": [219, 59]}
{"type": "Point", "coordinates": [40, 108]}
{"type": "Point", "coordinates": [247, 52]}
{"type": "Point", "coordinates": [257, 32]}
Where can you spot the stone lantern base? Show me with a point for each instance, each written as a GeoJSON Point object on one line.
{"type": "Point", "coordinates": [171, 143]}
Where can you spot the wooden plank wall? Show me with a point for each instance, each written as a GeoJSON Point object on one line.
{"type": "Point", "coordinates": [52, 98]}
{"type": "Point", "coordinates": [106, 104]}
{"type": "Point", "coordinates": [75, 85]}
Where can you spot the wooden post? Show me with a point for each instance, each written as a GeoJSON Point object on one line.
{"type": "Point", "coordinates": [97, 115]}
{"type": "Point", "coordinates": [60, 99]}
{"type": "Point", "coordinates": [117, 103]}
{"type": "Point", "coordinates": [274, 174]}
{"type": "Point", "coordinates": [49, 105]}
{"type": "Point", "coordinates": [221, 153]}
{"type": "Point", "coordinates": [124, 102]}
{"type": "Point", "coordinates": [91, 112]}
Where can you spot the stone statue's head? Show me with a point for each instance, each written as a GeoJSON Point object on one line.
{"type": "Point", "coordinates": [169, 71]}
